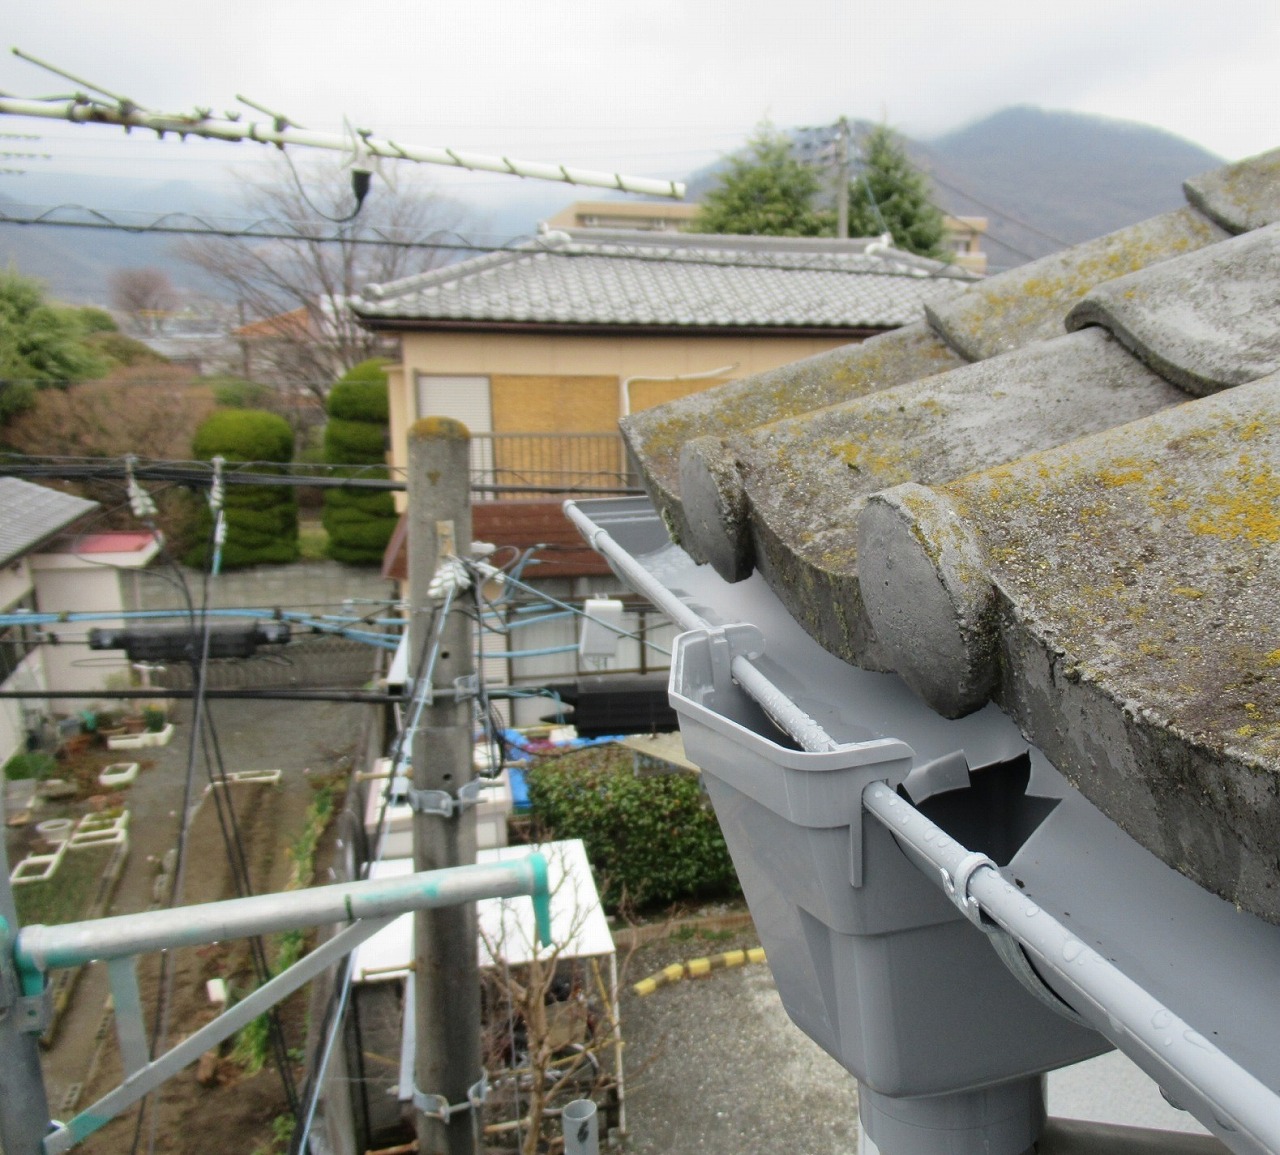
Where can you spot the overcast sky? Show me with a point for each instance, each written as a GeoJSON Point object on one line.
{"type": "Point", "coordinates": [646, 87]}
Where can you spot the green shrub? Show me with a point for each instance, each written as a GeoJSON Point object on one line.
{"type": "Point", "coordinates": [123, 350]}
{"type": "Point", "coordinates": [356, 442]}
{"type": "Point", "coordinates": [359, 523]}
{"type": "Point", "coordinates": [262, 520]}
{"type": "Point", "coordinates": [651, 840]}
{"type": "Point", "coordinates": [237, 393]}
{"type": "Point", "coordinates": [36, 764]}
{"type": "Point", "coordinates": [244, 435]}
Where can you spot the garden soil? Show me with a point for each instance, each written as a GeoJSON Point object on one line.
{"type": "Point", "coordinates": [229, 1109]}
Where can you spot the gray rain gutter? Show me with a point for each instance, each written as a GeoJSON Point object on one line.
{"type": "Point", "coordinates": [1049, 958]}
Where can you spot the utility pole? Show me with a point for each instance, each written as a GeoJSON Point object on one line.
{"type": "Point", "coordinates": [842, 177]}
{"type": "Point", "coordinates": [448, 1063]}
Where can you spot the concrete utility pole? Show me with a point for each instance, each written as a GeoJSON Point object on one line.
{"type": "Point", "coordinates": [448, 1062]}
{"type": "Point", "coordinates": [842, 177]}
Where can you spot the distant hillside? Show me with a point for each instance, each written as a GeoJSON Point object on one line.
{"type": "Point", "coordinates": [74, 263]}
{"type": "Point", "coordinates": [1042, 179]}
{"type": "Point", "coordinates": [1071, 176]}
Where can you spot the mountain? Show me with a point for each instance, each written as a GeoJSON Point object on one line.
{"type": "Point", "coordinates": [1044, 179]}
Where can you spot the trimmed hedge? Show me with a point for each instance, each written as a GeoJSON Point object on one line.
{"type": "Point", "coordinates": [262, 520]}
{"type": "Point", "coordinates": [652, 840]}
{"type": "Point", "coordinates": [359, 523]}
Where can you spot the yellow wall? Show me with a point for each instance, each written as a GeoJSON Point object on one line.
{"type": "Point", "coordinates": [561, 383]}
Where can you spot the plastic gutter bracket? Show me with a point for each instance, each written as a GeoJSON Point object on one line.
{"type": "Point", "coordinates": [724, 645]}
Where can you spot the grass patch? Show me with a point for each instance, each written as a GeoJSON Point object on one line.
{"type": "Point", "coordinates": [67, 896]}
{"type": "Point", "coordinates": [313, 541]}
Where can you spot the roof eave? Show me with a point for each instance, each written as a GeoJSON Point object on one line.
{"type": "Point", "coordinates": [579, 329]}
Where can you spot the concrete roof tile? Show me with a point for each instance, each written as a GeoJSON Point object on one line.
{"type": "Point", "coordinates": [1201, 341]}
{"type": "Point", "coordinates": [1117, 595]}
{"type": "Point", "coordinates": [31, 514]}
{"type": "Point", "coordinates": [1240, 196]}
{"type": "Point", "coordinates": [1028, 303]}
{"type": "Point", "coordinates": [801, 482]}
{"type": "Point", "coordinates": [1056, 527]}
{"type": "Point", "coordinates": [655, 436]}
{"type": "Point", "coordinates": [639, 279]}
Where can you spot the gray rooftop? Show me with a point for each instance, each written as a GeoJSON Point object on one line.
{"type": "Point", "coordinates": [1059, 490]}
{"type": "Point", "coordinates": [31, 514]}
{"type": "Point", "coordinates": [683, 281]}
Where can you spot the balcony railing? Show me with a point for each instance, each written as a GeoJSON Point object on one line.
{"type": "Point", "coordinates": [533, 466]}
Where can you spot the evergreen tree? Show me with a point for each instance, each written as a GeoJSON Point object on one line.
{"type": "Point", "coordinates": [41, 344]}
{"type": "Point", "coordinates": [765, 193]}
{"type": "Point", "coordinates": [898, 198]}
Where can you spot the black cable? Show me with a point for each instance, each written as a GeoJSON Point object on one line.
{"type": "Point", "coordinates": [360, 179]}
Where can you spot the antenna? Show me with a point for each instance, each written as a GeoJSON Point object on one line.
{"type": "Point", "coordinates": [127, 114]}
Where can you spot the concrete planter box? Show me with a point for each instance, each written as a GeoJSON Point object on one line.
{"type": "Point", "coordinates": [158, 737]}
{"type": "Point", "coordinates": [55, 830]}
{"type": "Point", "coordinates": [871, 960]}
{"type": "Point", "coordinates": [118, 774]}
{"type": "Point", "coordinates": [127, 742]}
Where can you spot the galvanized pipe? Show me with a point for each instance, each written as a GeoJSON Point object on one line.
{"type": "Point", "coordinates": [42, 948]}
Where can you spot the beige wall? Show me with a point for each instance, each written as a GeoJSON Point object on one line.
{"type": "Point", "coordinates": [596, 365]}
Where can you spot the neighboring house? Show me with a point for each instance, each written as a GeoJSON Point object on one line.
{"type": "Point", "coordinates": [963, 239]}
{"type": "Point", "coordinates": [540, 350]}
{"type": "Point", "coordinates": [298, 349]}
{"type": "Point", "coordinates": [46, 567]}
{"type": "Point", "coordinates": [1058, 491]}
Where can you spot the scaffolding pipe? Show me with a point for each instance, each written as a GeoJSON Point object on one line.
{"type": "Point", "coordinates": [42, 948]}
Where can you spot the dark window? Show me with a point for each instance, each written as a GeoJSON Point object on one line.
{"type": "Point", "coordinates": [16, 642]}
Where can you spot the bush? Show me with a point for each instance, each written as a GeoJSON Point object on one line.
{"type": "Point", "coordinates": [236, 393]}
{"type": "Point", "coordinates": [651, 840]}
{"type": "Point", "coordinates": [359, 523]}
{"type": "Point", "coordinates": [123, 350]}
{"type": "Point", "coordinates": [262, 520]}
{"type": "Point", "coordinates": [36, 764]}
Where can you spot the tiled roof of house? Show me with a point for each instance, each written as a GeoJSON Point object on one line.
{"type": "Point", "coordinates": [31, 514]}
{"type": "Point", "coordinates": [1058, 490]}
{"type": "Point", "coordinates": [636, 279]}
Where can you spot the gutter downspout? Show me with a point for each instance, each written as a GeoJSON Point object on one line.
{"type": "Point", "coordinates": [973, 883]}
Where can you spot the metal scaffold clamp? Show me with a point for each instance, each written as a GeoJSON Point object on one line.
{"type": "Point", "coordinates": [443, 804]}
{"type": "Point", "coordinates": [438, 1107]}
